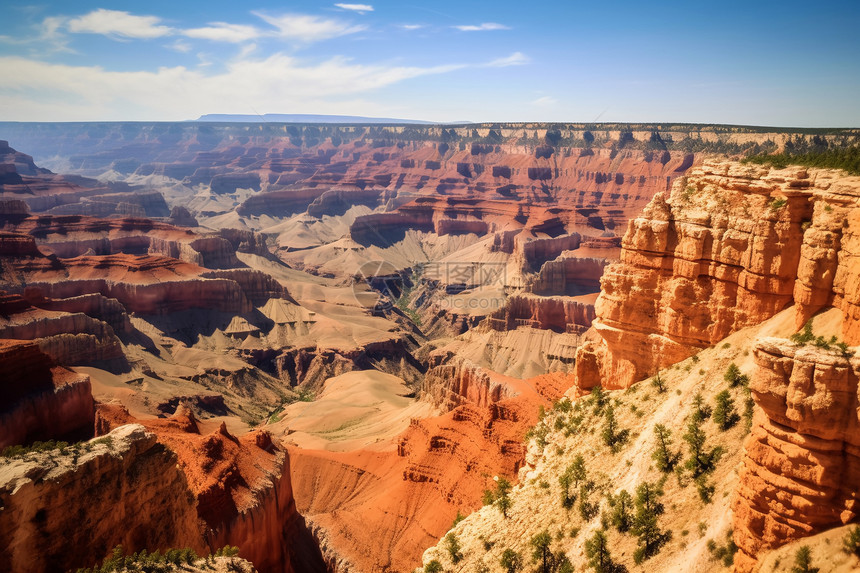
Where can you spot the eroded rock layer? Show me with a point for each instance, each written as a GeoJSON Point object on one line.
{"type": "Point", "coordinates": [802, 466]}
{"type": "Point", "coordinates": [722, 252]}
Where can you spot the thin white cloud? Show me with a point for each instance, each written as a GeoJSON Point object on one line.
{"type": "Point", "coordinates": [37, 90]}
{"type": "Point", "coordinates": [412, 26]}
{"type": "Point", "coordinates": [515, 59]}
{"type": "Point", "coordinates": [180, 46]}
{"type": "Point", "coordinates": [482, 27]}
{"type": "Point", "coordinates": [224, 32]}
{"type": "Point", "coordinates": [360, 8]}
{"type": "Point", "coordinates": [118, 24]}
{"type": "Point", "coordinates": [305, 28]}
{"type": "Point", "coordinates": [545, 101]}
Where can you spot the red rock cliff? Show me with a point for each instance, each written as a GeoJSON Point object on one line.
{"type": "Point", "coordinates": [726, 250]}
{"type": "Point", "coordinates": [802, 468]}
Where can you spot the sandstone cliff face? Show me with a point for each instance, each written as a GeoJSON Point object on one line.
{"type": "Point", "coordinates": [802, 467]}
{"type": "Point", "coordinates": [40, 401]}
{"type": "Point", "coordinates": [375, 510]}
{"type": "Point", "coordinates": [726, 250]}
{"type": "Point", "coordinates": [462, 382]}
{"type": "Point", "coordinates": [60, 513]}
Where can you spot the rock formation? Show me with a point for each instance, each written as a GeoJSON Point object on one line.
{"type": "Point", "coordinates": [722, 252]}
{"type": "Point", "coordinates": [802, 465]}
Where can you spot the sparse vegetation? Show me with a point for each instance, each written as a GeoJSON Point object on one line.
{"type": "Point", "coordinates": [725, 415]}
{"type": "Point", "coordinates": [665, 458]}
{"type": "Point", "coordinates": [452, 544]}
{"type": "Point", "coordinates": [511, 561]}
{"type": "Point", "coordinates": [734, 377]}
{"type": "Point", "coordinates": [570, 481]}
{"type": "Point", "coordinates": [725, 552]}
{"type": "Point", "coordinates": [598, 398]}
{"type": "Point", "coordinates": [701, 411]}
{"type": "Point", "coordinates": [457, 519]}
{"type": "Point", "coordinates": [599, 556]}
{"type": "Point", "coordinates": [645, 522]}
{"type": "Point", "coordinates": [500, 498]}
{"type": "Point", "coordinates": [433, 566]}
{"type": "Point", "coordinates": [611, 435]}
{"type": "Point", "coordinates": [658, 383]}
{"type": "Point", "coordinates": [155, 562]}
{"type": "Point", "coordinates": [851, 541]}
{"type": "Point", "coordinates": [701, 460]}
{"type": "Point", "coordinates": [803, 561]}
{"type": "Point", "coordinates": [778, 203]}
{"type": "Point", "coordinates": [621, 516]}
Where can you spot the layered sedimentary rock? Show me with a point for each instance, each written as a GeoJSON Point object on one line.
{"type": "Point", "coordinates": [722, 252]}
{"type": "Point", "coordinates": [558, 313]}
{"type": "Point", "coordinates": [238, 489]}
{"type": "Point", "coordinates": [62, 512]}
{"type": "Point", "coordinates": [802, 467]}
{"type": "Point", "coordinates": [372, 510]}
{"type": "Point", "coordinates": [69, 338]}
{"type": "Point", "coordinates": [38, 400]}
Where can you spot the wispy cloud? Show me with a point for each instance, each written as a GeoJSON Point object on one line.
{"type": "Point", "coordinates": [40, 90]}
{"type": "Point", "coordinates": [224, 32]}
{"type": "Point", "coordinates": [545, 101]}
{"type": "Point", "coordinates": [180, 46]}
{"type": "Point", "coordinates": [118, 24]}
{"type": "Point", "coordinates": [515, 59]}
{"type": "Point", "coordinates": [482, 27]}
{"type": "Point", "coordinates": [306, 28]}
{"type": "Point", "coordinates": [360, 8]}
{"type": "Point", "coordinates": [411, 26]}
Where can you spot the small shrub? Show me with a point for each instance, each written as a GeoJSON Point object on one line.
{"type": "Point", "coordinates": [452, 545]}
{"type": "Point", "coordinates": [704, 489]}
{"type": "Point", "coordinates": [665, 458]}
{"type": "Point", "coordinates": [570, 481]}
{"type": "Point", "coordinates": [803, 561]}
{"type": "Point", "coordinates": [611, 435]}
{"type": "Point", "coordinates": [511, 561]}
{"type": "Point", "coordinates": [701, 411]}
{"type": "Point", "coordinates": [725, 415]}
{"type": "Point", "coordinates": [851, 541]}
{"type": "Point", "coordinates": [659, 383]}
{"type": "Point", "coordinates": [778, 203]}
{"type": "Point", "coordinates": [433, 566]}
{"type": "Point", "coordinates": [621, 516]}
{"type": "Point", "coordinates": [459, 517]}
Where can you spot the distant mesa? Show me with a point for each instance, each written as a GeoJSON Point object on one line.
{"type": "Point", "coordinates": [302, 118]}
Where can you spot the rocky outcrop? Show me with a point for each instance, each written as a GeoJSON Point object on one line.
{"type": "Point", "coordinates": [18, 245]}
{"type": "Point", "coordinates": [558, 313]}
{"type": "Point", "coordinates": [724, 251]}
{"type": "Point", "coordinates": [338, 201]}
{"type": "Point", "coordinates": [40, 401]}
{"type": "Point", "coordinates": [802, 466]}
{"type": "Point", "coordinates": [569, 275]}
{"type": "Point", "coordinates": [279, 203]}
{"type": "Point", "coordinates": [70, 510]}
{"type": "Point", "coordinates": [67, 338]}
{"type": "Point", "coordinates": [463, 382]}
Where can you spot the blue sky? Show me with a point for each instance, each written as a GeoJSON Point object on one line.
{"type": "Point", "coordinates": [755, 62]}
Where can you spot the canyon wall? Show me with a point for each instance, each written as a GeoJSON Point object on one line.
{"type": "Point", "coordinates": [60, 513]}
{"type": "Point", "coordinates": [731, 246]}
{"type": "Point", "coordinates": [802, 464]}
{"type": "Point", "coordinates": [38, 400]}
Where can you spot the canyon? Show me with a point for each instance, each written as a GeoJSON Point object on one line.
{"type": "Point", "coordinates": [323, 343]}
